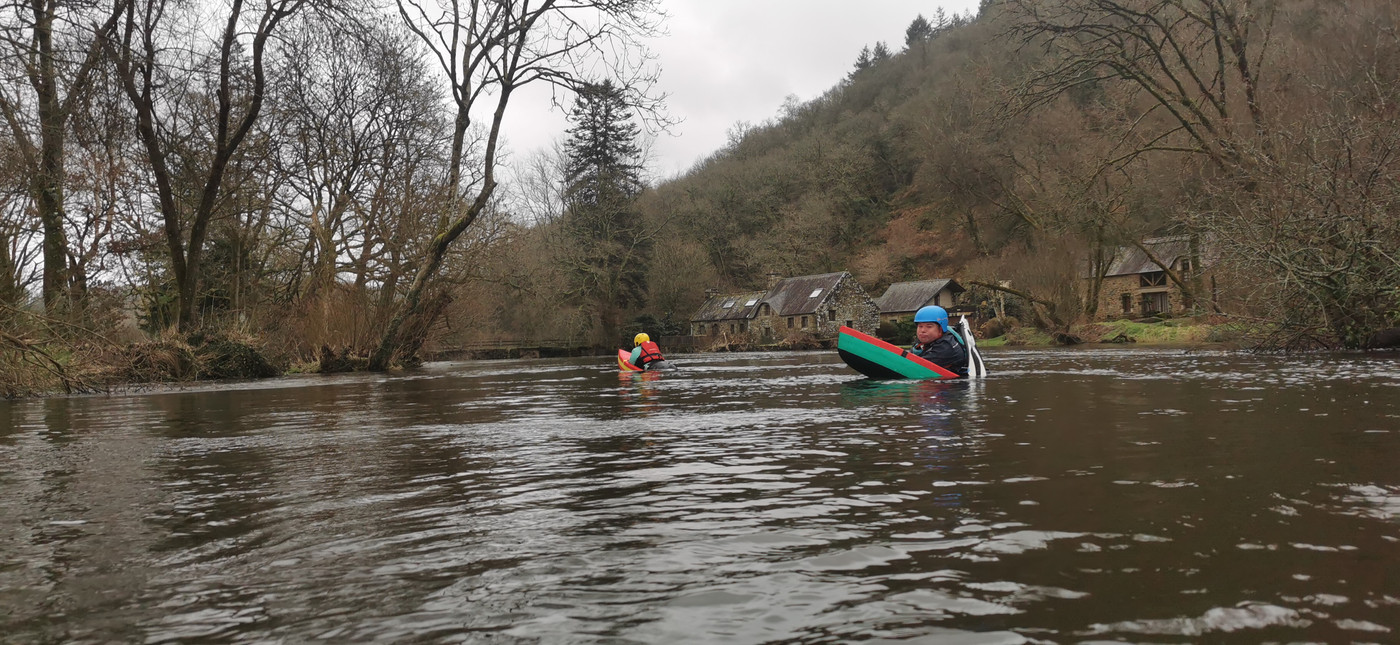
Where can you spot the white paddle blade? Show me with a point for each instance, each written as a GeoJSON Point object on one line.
{"type": "Point", "coordinates": [975, 367]}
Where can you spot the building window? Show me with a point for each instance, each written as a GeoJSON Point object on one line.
{"type": "Point", "coordinates": [1127, 303]}
{"type": "Point", "coordinates": [1153, 279]}
{"type": "Point", "coordinates": [804, 322]}
{"type": "Point", "coordinates": [938, 299]}
{"type": "Point", "coordinates": [831, 315]}
{"type": "Point", "coordinates": [731, 328]}
{"type": "Point", "coordinates": [1153, 303]}
{"type": "Point", "coordinates": [743, 326]}
{"type": "Point", "coordinates": [851, 323]}
{"type": "Point", "coordinates": [765, 310]}
{"type": "Point", "coordinates": [789, 322]}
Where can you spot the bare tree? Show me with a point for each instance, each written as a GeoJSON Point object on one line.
{"type": "Point", "coordinates": [1198, 61]}
{"type": "Point", "coordinates": [54, 45]}
{"type": "Point", "coordinates": [1299, 171]}
{"type": "Point", "coordinates": [538, 189]}
{"type": "Point", "coordinates": [359, 140]}
{"type": "Point", "coordinates": [1318, 237]}
{"type": "Point", "coordinates": [488, 50]}
{"type": "Point", "coordinates": [178, 141]}
{"type": "Point", "coordinates": [16, 250]}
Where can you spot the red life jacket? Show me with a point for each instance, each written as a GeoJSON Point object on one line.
{"type": "Point", "coordinates": [649, 354]}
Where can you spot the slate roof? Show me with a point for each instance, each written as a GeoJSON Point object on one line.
{"type": "Point", "coordinates": [741, 306]}
{"type": "Point", "coordinates": [803, 294]}
{"type": "Point", "coordinates": [910, 296]}
{"type": "Point", "coordinates": [1130, 260]}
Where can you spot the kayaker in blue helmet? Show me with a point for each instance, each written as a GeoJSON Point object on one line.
{"type": "Point", "coordinates": [938, 343]}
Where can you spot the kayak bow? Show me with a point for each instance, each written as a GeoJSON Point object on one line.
{"type": "Point", "coordinates": [876, 358]}
{"type": "Point", "coordinates": [624, 361]}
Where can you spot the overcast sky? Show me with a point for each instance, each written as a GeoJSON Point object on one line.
{"type": "Point", "coordinates": [725, 61]}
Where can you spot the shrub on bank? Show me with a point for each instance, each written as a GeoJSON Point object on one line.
{"type": "Point", "coordinates": [1028, 336]}
{"type": "Point", "coordinates": [31, 367]}
{"type": "Point", "coordinates": [332, 362]}
{"type": "Point", "coordinates": [220, 356]}
{"type": "Point", "coordinates": [203, 355]}
{"type": "Point", "coordinates": [157, 361]}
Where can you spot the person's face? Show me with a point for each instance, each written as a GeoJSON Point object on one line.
{"type": "Point", "coordinates": [928, 332]}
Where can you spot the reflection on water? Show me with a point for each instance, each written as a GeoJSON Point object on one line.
{"type": "Point", "coordinates": [1099, 495]}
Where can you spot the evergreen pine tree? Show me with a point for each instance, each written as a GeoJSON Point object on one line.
{"type": "Point", "coordinates": [863, 61]}
{"type": "Point", "coordinates": [608, 249]}
{"type": "Point", "coordinates": [880, 53]}
{"type": "Point", "coordinates": [918, 32]}
{"type": "Point", "coordinates": [603, 156]}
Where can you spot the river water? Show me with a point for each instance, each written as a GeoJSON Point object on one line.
{"type": "Point", "coordinates": [1074, 496]}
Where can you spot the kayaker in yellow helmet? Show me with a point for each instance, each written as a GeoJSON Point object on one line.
{"type": "Point", "coordinates": [644, 352]}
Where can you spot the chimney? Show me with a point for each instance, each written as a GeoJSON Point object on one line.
{"type": "Point", "coordinates": [774, 278]}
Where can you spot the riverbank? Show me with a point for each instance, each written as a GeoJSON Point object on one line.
{"type": "Point", "coordinates": [1164, 332]}
{"type": "Point", "coordinates": [45, 370]}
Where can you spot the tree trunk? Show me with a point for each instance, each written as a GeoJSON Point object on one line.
{"type": "Point", "coordinates": [391, 342]}
{"type": "Point", "coordinates": [47, 183]}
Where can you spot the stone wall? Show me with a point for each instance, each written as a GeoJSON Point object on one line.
{"type": "Point", "coordinates": [851, 303]}
{"type": "Point", "coordinates": [1113, 288]}
{"type": "Point", "coordinates": [1111, 297]}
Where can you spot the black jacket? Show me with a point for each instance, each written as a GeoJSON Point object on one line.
{"type": "Point", "coordinates": [946, 352]}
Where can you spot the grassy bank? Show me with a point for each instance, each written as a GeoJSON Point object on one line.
{"type": "Point", "coordinates": [1166, 332]}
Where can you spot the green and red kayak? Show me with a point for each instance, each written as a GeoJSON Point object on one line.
{"type": "Point", "coordinates": [878, 359]}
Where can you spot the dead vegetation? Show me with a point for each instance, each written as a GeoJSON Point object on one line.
{"type": "Point", "coordinates": [40, 355]}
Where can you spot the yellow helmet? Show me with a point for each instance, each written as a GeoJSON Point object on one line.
{"type": "Point", "coordinates": [640, 338]}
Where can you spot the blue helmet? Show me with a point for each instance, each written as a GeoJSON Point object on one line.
{"type": "Point", "coordinates": [933, 313]}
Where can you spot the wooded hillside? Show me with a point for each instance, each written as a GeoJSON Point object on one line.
{"type": "Point", "coordinates": [1025, 145]}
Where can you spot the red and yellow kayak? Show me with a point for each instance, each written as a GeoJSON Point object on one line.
{"type": "Point", "coordinates": [624, 363]}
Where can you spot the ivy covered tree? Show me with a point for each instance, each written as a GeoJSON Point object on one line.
{"type": "Point", "coordinates": [606, 243]}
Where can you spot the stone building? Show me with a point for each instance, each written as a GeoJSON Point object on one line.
{"type": "Point", "coordinates": [1136, 287]}
{"type": "Point", "coordinates": [816, 304]}
{"type": "Point", "coordinates": [902, 299]}
{"type": "Point", "coordinates": [725, 314]}
{"type": "Point", "coordinates": [813, 304]}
